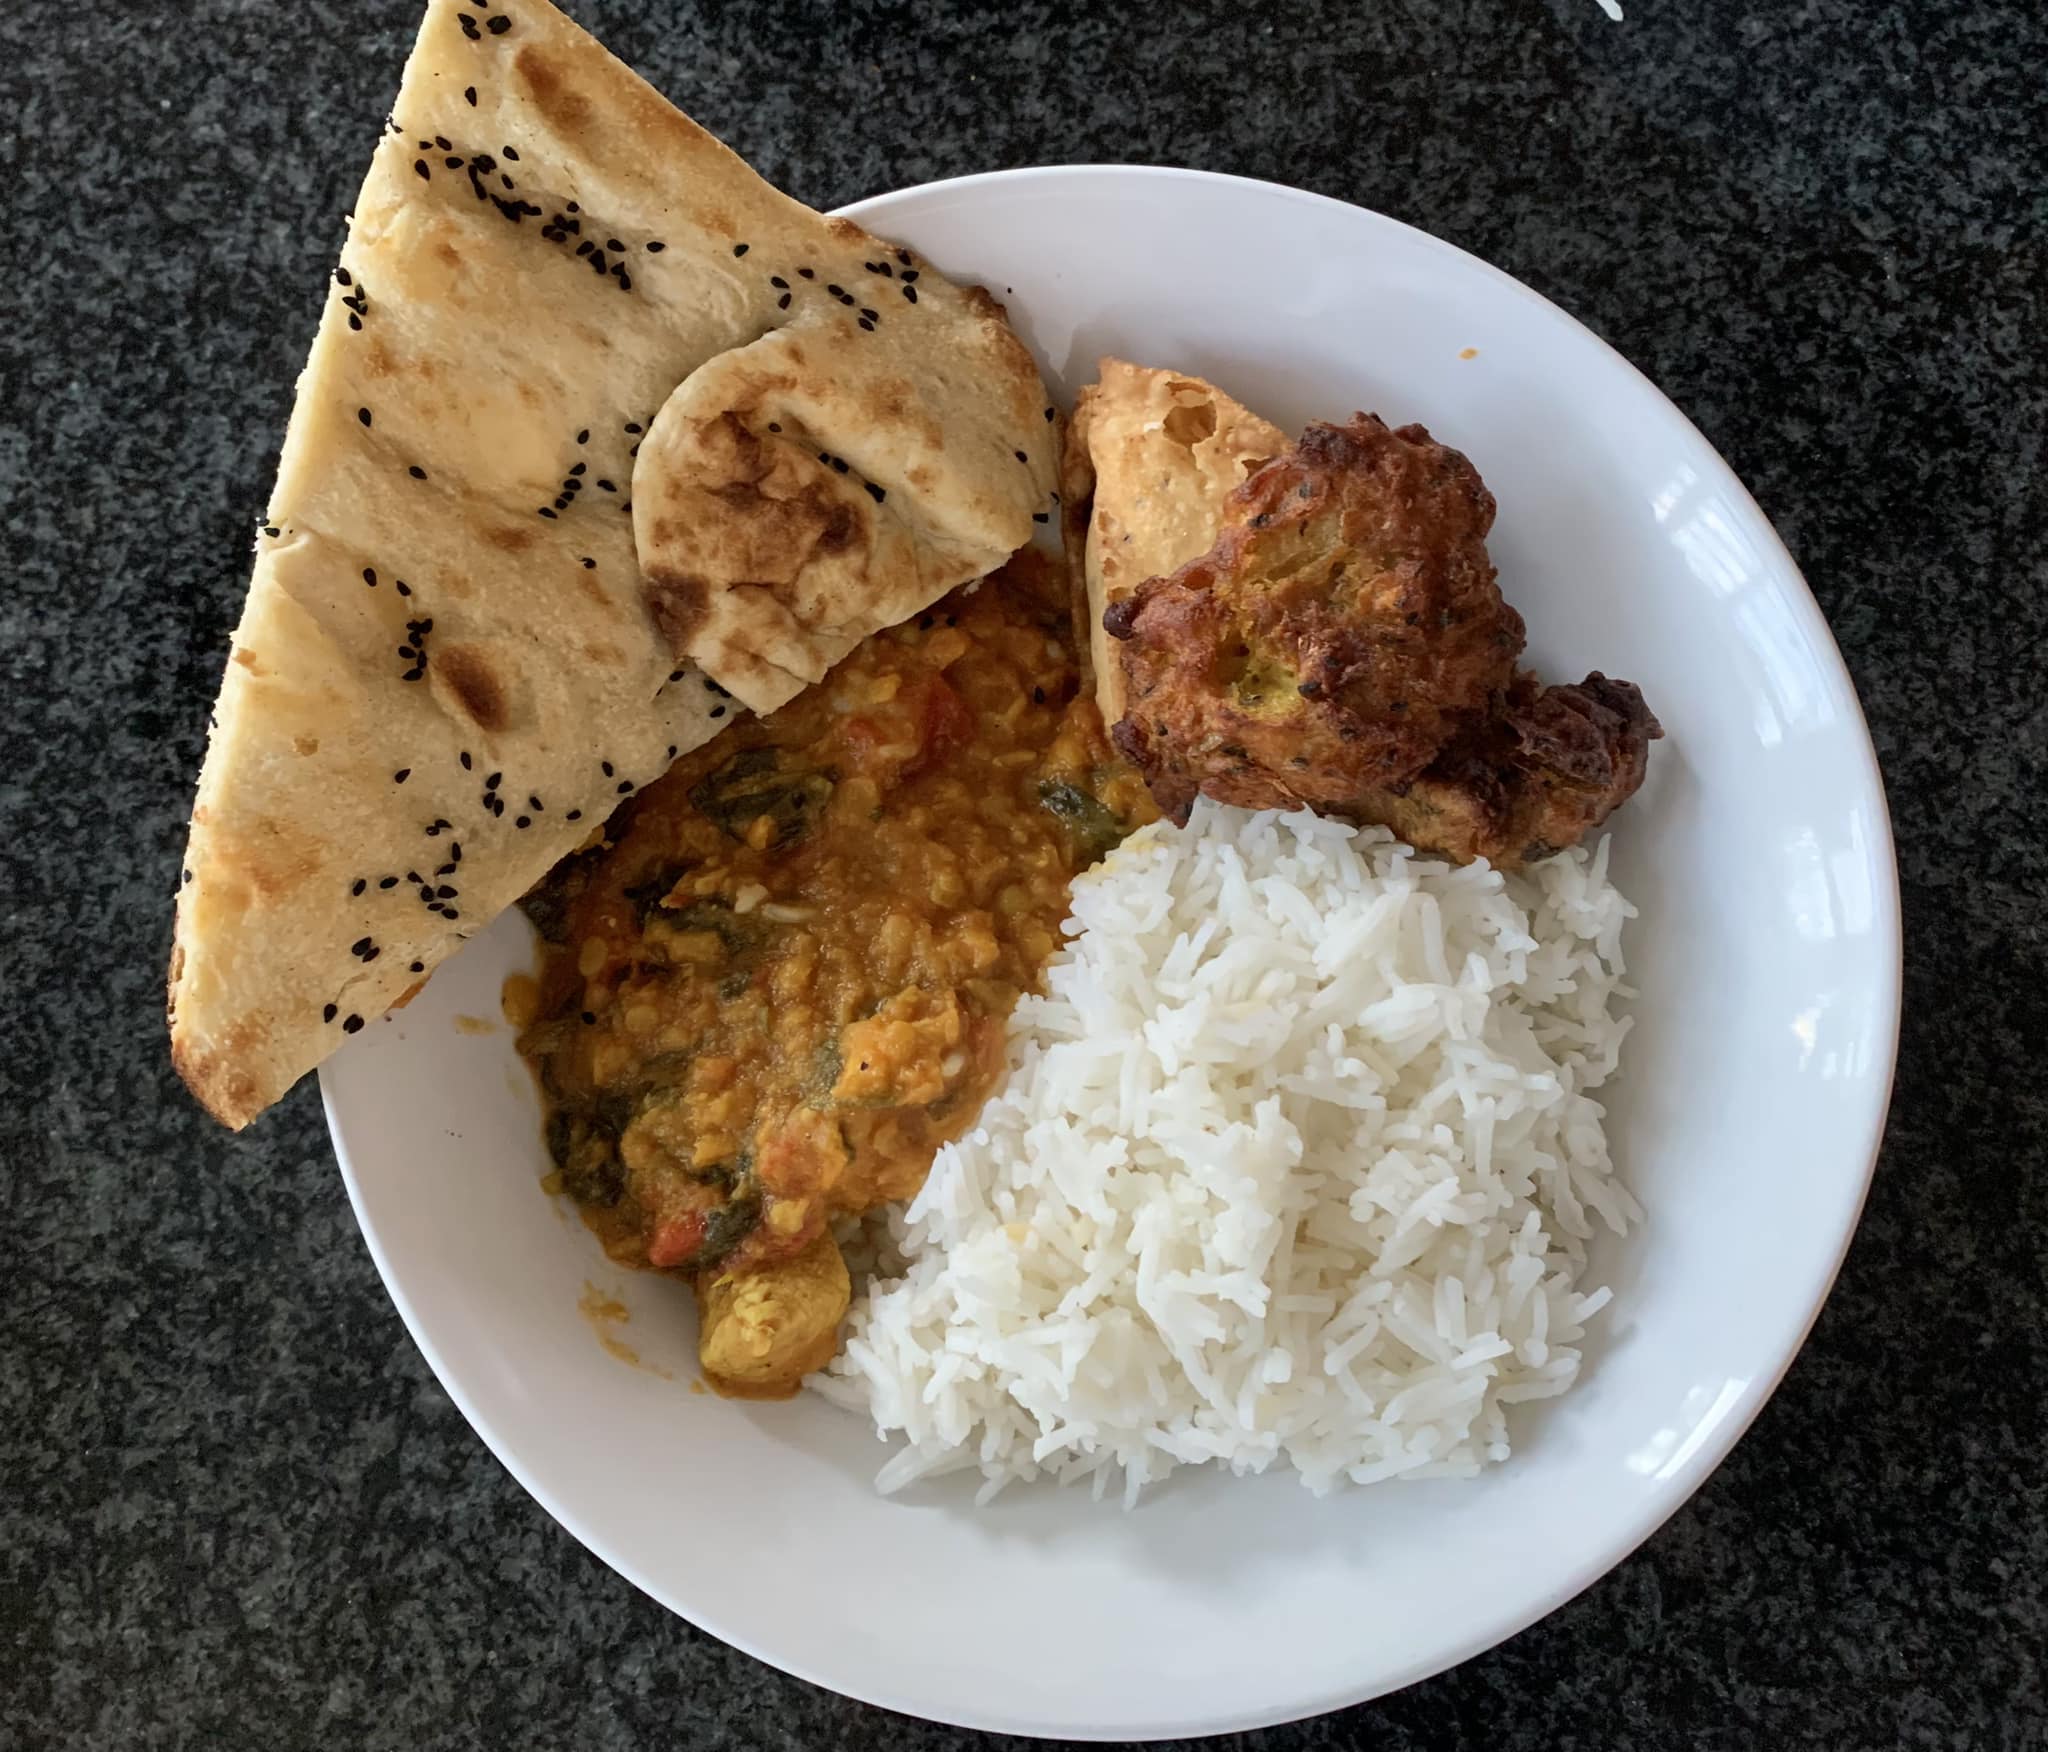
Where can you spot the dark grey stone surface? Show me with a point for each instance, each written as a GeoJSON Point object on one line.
{"type": "Point", "coordinates": [236, 1510]}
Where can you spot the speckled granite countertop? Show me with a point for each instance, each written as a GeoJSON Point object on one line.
{"type": "Point", "coordinates": [235, 1508]}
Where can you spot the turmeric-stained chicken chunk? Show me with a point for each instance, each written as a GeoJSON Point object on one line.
{"type": "Point", "coordinates": [763, 1329]}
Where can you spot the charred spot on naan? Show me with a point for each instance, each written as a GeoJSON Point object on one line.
{"type": "Point", "coordinates": [513, 538]}
{"type": "Point", "coordinates": [680, 603]}
{"type": "Point", "coordinates": [466, 673]}
{"type": "Point", "coordinates": [554, 97]}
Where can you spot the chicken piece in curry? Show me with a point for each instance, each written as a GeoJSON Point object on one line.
{"type": "Point", "coordinates": [781, 980]}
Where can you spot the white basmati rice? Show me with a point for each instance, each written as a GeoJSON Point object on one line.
{"type": "Point", "coordinates": [1295, 1162]}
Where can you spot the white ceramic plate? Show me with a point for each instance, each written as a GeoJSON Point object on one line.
{"type": "Point", "coordinates": [1747, 1118]}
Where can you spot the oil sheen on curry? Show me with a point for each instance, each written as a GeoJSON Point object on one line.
{"type": "Point", "coordinates": [781, 981]}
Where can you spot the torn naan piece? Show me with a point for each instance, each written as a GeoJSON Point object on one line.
{"type": "Point", "coordinates": [1150, 458]}
{"type": "Point", "coordinates": [450, 667]}
{"type": "Point", "coordinates": [837, 476]}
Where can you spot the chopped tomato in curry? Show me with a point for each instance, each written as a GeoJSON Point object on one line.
{"type": "Point", "coordinates": [782, 982]}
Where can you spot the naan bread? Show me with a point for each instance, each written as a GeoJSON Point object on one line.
{"type": "Point", "coordinates": [450, 668]}
{"type": "Point", "coordinates": [1150, 458]}
{"type": "Point", "coordinates": [843, 471]}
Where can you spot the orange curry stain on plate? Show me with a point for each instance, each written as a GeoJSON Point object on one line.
{"type": "Point", "coordinates": [604, 1312]}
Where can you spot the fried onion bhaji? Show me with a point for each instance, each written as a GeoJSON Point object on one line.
{"type": "Point", "coordinates": [1344, 646]}
{"type": "Point", "coordinates": [1532, 779]}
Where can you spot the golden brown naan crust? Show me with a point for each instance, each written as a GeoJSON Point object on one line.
{"type": "Point", "coordinates": [1150, 458]}
{"type": "Point", "coordinates": [843, 471]}
{"type": "Point", "coordinates": [447, 670]}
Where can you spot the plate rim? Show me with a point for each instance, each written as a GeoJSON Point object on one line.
{"type": "Point", "coordinates": [1699, 1464]}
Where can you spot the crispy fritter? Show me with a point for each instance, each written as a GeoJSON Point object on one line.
{"type": "Point", "coordinates": [1343, 629]}
{"type": "Point", "coordinates": [1529, 781]}
{"type": "Point", "coordinates": [1344, 646]}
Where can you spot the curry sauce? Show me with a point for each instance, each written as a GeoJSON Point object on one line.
{"type": "Point", "coordinates": [781, 980]}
